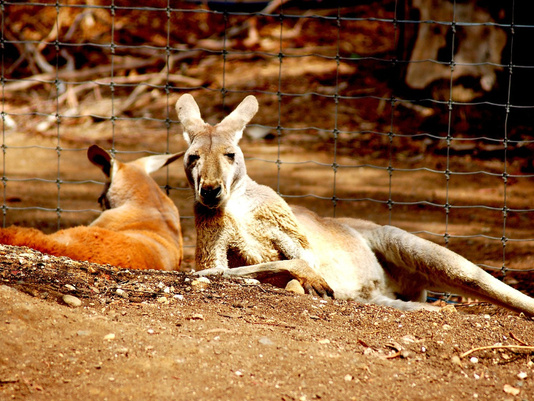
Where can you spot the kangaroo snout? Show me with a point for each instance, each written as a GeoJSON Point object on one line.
{"type": "Point", "coordinates": [210, 195]}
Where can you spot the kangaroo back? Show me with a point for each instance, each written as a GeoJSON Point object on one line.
{"type": "Point", "coordinates": [140, 228]}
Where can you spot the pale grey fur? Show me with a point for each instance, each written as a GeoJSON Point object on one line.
{"type": "Point", "coordinates": [246, 229]}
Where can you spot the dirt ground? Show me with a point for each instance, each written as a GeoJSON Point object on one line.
{"type": "Point", "coordinates": [141, 335]}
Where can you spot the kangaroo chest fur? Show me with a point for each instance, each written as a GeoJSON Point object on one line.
{"type": "Point", "coordinates": [248, 230]}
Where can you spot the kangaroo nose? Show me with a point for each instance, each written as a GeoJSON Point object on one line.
{"type": "Point", "coordinates": [210, 194]}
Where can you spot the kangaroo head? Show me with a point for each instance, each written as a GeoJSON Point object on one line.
{"type": "Point", "coordinates": [126, 179]}
{"type": "Point", "coordinates": [214, 163]}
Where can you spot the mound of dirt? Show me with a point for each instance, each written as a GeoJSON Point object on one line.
{"type": "Point", "coordinates": [140, 335]}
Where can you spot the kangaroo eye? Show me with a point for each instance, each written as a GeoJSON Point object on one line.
{"type": "Point", "coordinates": [230, 156]}
{"type": "Point", "coordinates": [192, 158]}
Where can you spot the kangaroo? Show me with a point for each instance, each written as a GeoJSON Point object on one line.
{"type": "Point", "coordinates": [247, 229]}
{"type": "Point", "coordinates": [139, 230]}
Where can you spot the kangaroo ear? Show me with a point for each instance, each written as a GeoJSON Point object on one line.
{"type": "Point", "coordinates": [100, 158]}
{"type": "Point", "coordinates": [154, 163]}
{"type": "Point", "coordinates": [189, 115]}
{"type": "Point", "coordinates": [236, 121]}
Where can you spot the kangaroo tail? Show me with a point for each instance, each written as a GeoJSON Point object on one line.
{"type": "Point", "coordinates": [443, 269]}
{"type": "Point", "coordinates": [30, 237]}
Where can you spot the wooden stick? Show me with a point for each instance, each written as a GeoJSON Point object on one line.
{"type": "Point", "coordinates": [518, 339]}
{"type": "Point", "coordinates": [132, 79]}
{"type": "Point", "coordinates": [520, 347]}
{"type": "Point", "coordinates": [81, 75]}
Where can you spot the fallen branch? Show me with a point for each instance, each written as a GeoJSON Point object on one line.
{"type": "Point", "coordinates": [511, 347]}
{"type": "Point", "coordinates": [152, 79]}
{"type": "Point", "coordinates": [50, 77]}
{"type": "Point", "coordinates": [518, 339]}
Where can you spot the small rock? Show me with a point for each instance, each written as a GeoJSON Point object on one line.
{"type": "Point", "coordinates": [83, 333]}
{"type": "Point", "coordinates": [522, 375]}
{"type": "Point", "coordinates": [369, 351]}
{"type": "Point", "coordinates": [456, 360]}
{"type": "Point", "coordinates": [294, 286]}
{"type": "Point", "coordinates": [473, 359]}
{"type": "Point", "coordinates": [179, 297]}
{"type": "Point", "coordinates": [200, 283]}
{"type": "Point", "coordinates": [195, 316]}
{"type": "Point", "coordinates": [406, 354]}
{"type": "Point", "coordinates": [44, 125]}
{"type": "Point", "coordinates": [70, 287]}
{"type": "Point", "coordinates": [348, 378]}
{"type": "Point", "coordinates": [72, 301]}
{"type": "Point", "coordinates": [446, 327]}
{"type": "Point", "coordinates": [203, 280]}
{"type": "Point", "coordinates": [511, 390]}
{"type": "Point", "coordinates": [120, 292]}
{"type": "Point", "coordinates": [9, 123]}
{"type": "Point", "coordinates": [324, 341]}
{"type": "Point", "coordinates": [408, 338]}
{"type": "Point", "coordinates": [109, 337]}
{"type": "Point", "coordinates": [449, 309]}
{"type": "Point", "coordinates": [265, 341]}
{"type": "Point", "coordinates": [163, 300]}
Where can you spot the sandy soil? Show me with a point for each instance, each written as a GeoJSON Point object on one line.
{"type": "Point", "coordinates": [169, 335]}
{"type": "Point", "coordinates": [149, 335]}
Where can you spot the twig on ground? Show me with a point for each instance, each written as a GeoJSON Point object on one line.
{"type": "Point", "coordinates": [151, 79]}
{"type": "Point", "coordinates": [517, 339]}
{"type": "Point", "coordinates": [510, 347]}
{"type": "Point", "coordinates": [85, 74]}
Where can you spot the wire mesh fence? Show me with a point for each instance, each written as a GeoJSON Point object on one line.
{"type": "Point", "coordinates": [413, 113]}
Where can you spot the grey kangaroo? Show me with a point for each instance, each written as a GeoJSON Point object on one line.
{"type": "Point", "coordinates": [247, 229]}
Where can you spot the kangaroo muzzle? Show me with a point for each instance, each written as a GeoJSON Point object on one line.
{"type": "Point", "coordinates": [211, 195]}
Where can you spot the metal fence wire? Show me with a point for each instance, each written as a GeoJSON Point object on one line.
{"type": "Point", "coordinates": [421, 110]}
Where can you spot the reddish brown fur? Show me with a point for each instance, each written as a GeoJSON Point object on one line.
{"type": "Point", "coordinates": [94, 244]}
{"type": "Point", "coordinates": [141, 230]}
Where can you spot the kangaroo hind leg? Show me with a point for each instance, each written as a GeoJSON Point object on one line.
{"type": "Point", "coordinates": [440, 269]}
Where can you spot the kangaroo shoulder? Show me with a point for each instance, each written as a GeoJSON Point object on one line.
{"type": "Point", "coordinates": [269, 205]}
